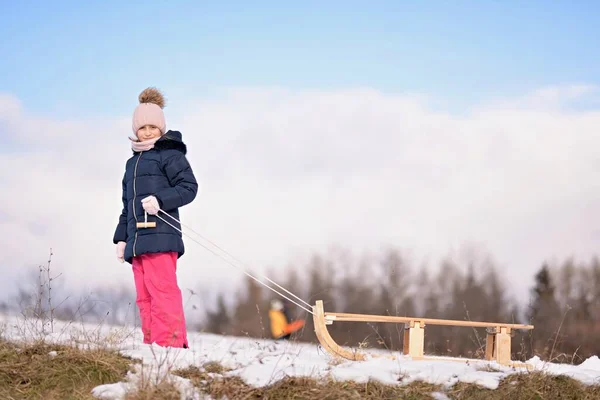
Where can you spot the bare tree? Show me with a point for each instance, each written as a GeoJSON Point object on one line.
{"type": "Point", "coordinates": [544, 312]}
{"type": "Point", "coordinates": [250, 311]}
{"type": "Point", "coordinates": [219, 321]}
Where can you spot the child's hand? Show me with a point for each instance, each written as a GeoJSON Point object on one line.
{"type": "Point", "coordinates": [150, 204]}
{"type": "Point", "coordinates": [121, 251]}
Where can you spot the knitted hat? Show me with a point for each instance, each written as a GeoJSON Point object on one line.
{"type": "Point", "coordinates": [149, 111]}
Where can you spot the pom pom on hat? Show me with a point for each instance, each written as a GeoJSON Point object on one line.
{"type": "Point", "coordinates": [152, 95]}
{"type": "Point", "coordinates": [149, 111]}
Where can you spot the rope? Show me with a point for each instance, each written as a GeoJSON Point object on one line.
{"type": "Point", "coordinates": [236, 259]}
{"type": "Point", "coordinates": [232, 264]}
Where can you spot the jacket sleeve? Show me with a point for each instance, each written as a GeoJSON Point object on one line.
{"type": "Point", "coordinates": [294, 326]}
{"type": "Point", "coordinates": [121, 231]}
{"type": "Point", "coordinates": [184, 186]}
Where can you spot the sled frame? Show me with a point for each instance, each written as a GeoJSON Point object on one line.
{"type": "Point", "coordinates": [497, 344]}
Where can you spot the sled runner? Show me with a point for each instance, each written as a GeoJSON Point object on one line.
{"type": "Point", "coordinates": [497, 345]}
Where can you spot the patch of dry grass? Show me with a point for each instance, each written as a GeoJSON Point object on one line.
{"type": "Point", "coordinates": [528, 386]}
{"type": "Point", "coordinates": [48, 371]}
{"type": "Point", "coordinates": [299, 387]}
{"type": "Point", "coordinates": [525, 386]}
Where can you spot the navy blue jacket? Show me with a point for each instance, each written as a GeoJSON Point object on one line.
{"type": "Point", "coordinates": [163, 172]}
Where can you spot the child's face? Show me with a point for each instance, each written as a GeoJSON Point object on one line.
{"type": "Point", "coordinates": [148, 132]}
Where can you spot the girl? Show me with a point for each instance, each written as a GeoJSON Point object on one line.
{"type": "Point", "coordinates": [157, 177]}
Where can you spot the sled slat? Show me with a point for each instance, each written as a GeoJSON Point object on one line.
{"type": "Point", "coordinates": [346, 317]}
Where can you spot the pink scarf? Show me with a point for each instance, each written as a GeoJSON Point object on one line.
{"type": "Point", "coordinates": [136, 145]}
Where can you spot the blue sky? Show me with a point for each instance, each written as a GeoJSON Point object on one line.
{"type": "Point", "coordinates": [66, 57]}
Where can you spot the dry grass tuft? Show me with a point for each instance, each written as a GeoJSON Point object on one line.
{"type": "Point", "coordinates": [164, 391]}
{"type": "Point", "coordinates": [214, 367]}
{"type": "Point", "coordinates": [487, 368]}
{"type": "Point", "coordinates": [48, 371]}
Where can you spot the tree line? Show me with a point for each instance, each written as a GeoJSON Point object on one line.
{"type": "Point", "coordinates": [563, 303]}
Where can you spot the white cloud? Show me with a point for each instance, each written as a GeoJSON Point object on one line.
{"type": "Point", "coordinates": [546, 99]}
{"type": "Point", "coordinates": [287, 172]}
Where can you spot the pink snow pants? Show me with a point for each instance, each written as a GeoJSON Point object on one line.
{"type": "Point", "coordinates": [159, 299]}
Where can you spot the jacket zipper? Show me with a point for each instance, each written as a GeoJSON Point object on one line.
{"type": "Point", "coordinates": [133, 202]}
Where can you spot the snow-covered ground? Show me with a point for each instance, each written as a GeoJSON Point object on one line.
{"type": "Point", "coordinates": [261, 362]}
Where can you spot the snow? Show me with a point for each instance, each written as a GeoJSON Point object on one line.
{"type": "Point", "coordinates": [261, 362]}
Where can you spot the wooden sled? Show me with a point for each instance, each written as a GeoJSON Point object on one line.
{"type": "Point", "coordinates": [497, 344]}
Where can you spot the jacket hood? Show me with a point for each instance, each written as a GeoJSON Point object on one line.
{"type": "Point", "coordinates": [171, 140]}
